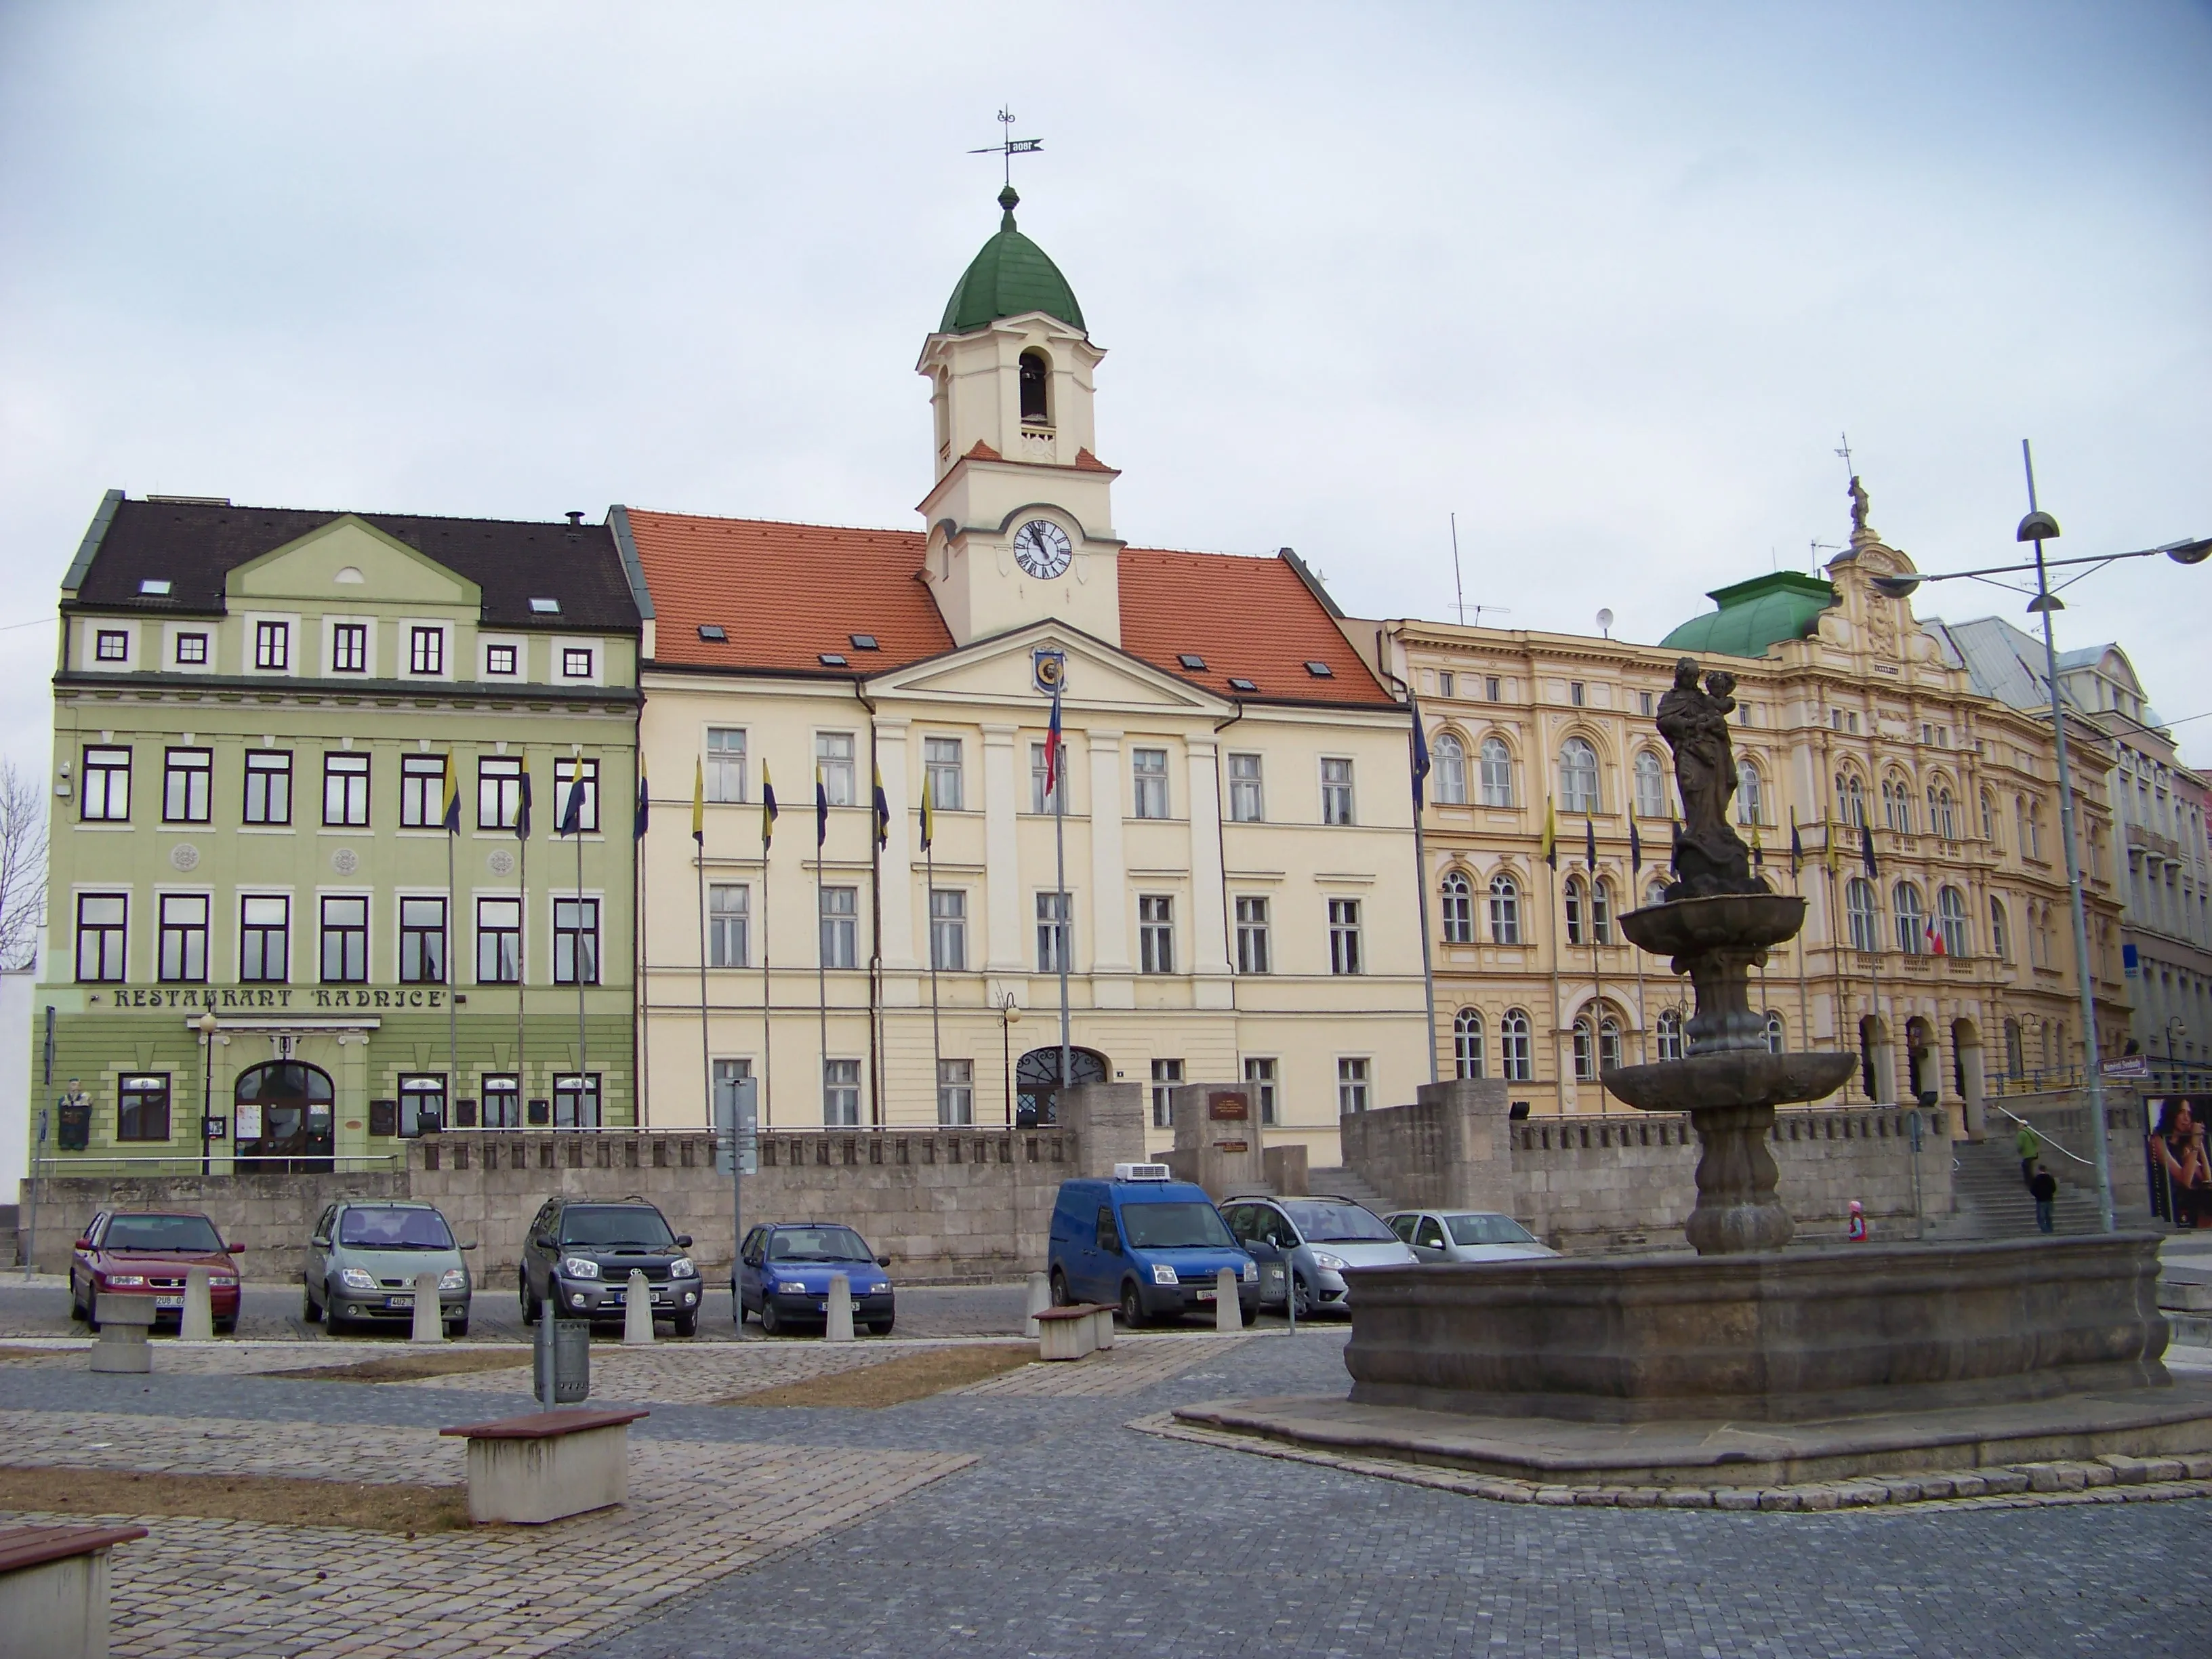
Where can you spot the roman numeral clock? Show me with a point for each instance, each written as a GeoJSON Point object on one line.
{"type": "Point", "coordinates": [1042, 548]}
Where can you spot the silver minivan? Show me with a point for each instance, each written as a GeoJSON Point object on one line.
{"type": "Point", "coordinates": [362, 1258]}
{"type": "Point", "coordinates": [1320, 1236]}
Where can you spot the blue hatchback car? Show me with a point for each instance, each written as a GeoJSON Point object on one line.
{"type": "Point", "coordinates": [784, 1271]}
{"type": "Point", "coordinates": [1151, 1247]}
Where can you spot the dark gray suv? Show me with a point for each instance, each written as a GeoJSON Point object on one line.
{"type": "Point", "coordinates": [579, 1253]}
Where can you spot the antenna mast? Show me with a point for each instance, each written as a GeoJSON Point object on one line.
{"type": "Point", "coordinates": [1459, 593]}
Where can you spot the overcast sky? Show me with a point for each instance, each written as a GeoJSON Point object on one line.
{"type": "Point", "coordinates": [1606, 281]}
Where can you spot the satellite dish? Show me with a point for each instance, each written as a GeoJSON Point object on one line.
{"type": "Point", "coordinates": [1605, 623]}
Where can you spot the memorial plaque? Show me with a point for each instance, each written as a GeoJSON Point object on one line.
{"type": "Point", "coordinates": [1227, 1105]}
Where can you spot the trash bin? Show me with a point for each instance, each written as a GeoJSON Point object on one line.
{"type": "Point", "coordinates": [570, 1354]}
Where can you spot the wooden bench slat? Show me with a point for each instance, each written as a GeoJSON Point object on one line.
{"type": "Point", "coordinates": [34, 1546]}
{"type": "Point", "coordinates": [1080, 1310]}
{"type": "Point", "coordinates": [545, 1425]}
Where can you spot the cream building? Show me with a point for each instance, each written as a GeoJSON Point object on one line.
{"type": "Point", "coordinates": [1230, 879]}
{"type": "Point", "coordinates": [1951, 969]}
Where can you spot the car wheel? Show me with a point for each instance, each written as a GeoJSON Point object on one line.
{"type": "Point", "coordinates": [333, 1322]}
{"type": "Point", "coordinates": [78, 1309]}
{"type": "Point", "coordinates": [1132, 1310]}
{"type": "Point", "coordinates": [1302, 1295]}
{"type": "Point", "coordinates": [880, 1326]}
{"type": "Point", "coordinates": [771, 1321]}
{"type": "Point", "coordinates": [738, 1312]}
{"type": "Point", "coordinates": [687, 1324]}
{"type": "Point", "coordinates": [310, 1312]}
{"type": "Point", "coordinates": [1061, 1298]}
{"type": "Point", "coordinates": [531, 1307]}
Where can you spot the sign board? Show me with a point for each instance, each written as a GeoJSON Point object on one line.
{"type": "Point", "coordinates": [1227, 1106]}
{"type": "Point", "coordinates": [213, 1128]}
{"type": "Point", "coordinates": [745, 1138]}
{"type": "Point", "coordinates": [2129, 1066]}
{"type": "Point", "coordinates": [1232, 1145]}
{"type": "Point", "coordinates": [249, 1121]}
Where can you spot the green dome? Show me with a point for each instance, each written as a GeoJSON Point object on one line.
{"type": "Point", "coordinates": [1011, 275]}
{"type": "Point", "coordinates": [1754, 615]}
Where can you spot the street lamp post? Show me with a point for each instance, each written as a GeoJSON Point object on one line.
{"type": "Point", "coordinates": [207, 1024]}
{"type": "Point", "coordinates": [2175, 1026]}
{"type": "Point", "coordinates": [2039, 528]}
{"type": "Point", "coordinates": [1007, 1015]}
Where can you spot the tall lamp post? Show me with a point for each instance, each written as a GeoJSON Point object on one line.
{"type": "Point", "coordinates": [207, 1024]}
{"type": "Point", "coordinates": [2039, 528]}
{"type": "Point", "coordinates": [2175, 1027]}
{"type": "Point", "coordinates": [1007, 1015]}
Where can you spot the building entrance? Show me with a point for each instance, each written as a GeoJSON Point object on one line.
{"type": "Point", "coordinates": [1037, 1081]}
{"type": "Point", "coordinates": [281, 1118]}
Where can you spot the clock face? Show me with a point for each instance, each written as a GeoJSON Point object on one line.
{"type": "Point", "coordinates": [1042, 549]}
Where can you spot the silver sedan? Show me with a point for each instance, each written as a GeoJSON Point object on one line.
{"type": "Point", "coordinates": [1466, 1235]}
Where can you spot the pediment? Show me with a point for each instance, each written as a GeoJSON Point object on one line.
{"type": "Point", "coordinates": [350, 563]}
{"type": "Point", "coordinates": [999, 669]}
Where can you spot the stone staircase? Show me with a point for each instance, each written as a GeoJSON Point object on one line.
{"type": "Point", "coordinates": [1992, 1201]}
{"type": "Point", "coordinates": [1347, 1183]}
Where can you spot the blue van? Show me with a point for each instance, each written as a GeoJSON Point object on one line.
{"type": "Point", "coordinates": [1152, 1246]}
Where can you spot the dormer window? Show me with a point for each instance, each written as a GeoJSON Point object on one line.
{"type": "Point", "coordinates": [1036, 377]}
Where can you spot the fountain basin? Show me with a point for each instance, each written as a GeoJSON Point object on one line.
{"type": "Point", "coordinates": [1741, 921]}
{"type": "Point", "coordinates": [1734, 1077]}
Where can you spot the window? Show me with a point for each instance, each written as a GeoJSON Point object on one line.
{"type": "Point", "coordinates": [1497, 772]}
{"type": "Point", "coordinates": [1492, 688]}
{"type": "Point", "coordinates": [1150, 768]}
{"type": "Point", "coordinates": [1577, 927]}
{"type": "Point", "coordinates": [268, 787]}
{"type": "Point", "coordinates": [1859, 908]}
{"type": "Point", "coordinates": [1989, 819]}
{"type": "Point", "coordinates": [725, 763]}
{"type": "Point", "coordinates": [1505, 910]}
{"type": "Point", "coordinates": [1054, 912]}
{"type": "Point", "coordinates": [1343, 936]}
{"type": "Point", "coordinates": [1670, 1034]}
{"type": "Point", "coordinates": [956, 1091]}
{"type": "Point", "coordinates": [948, 929]}
{"type": "Point", "coordinates": [112, 645]}
{"type": "Point", "coordinates": [1601, 910]}
{"type": "Point", "coordinates": [1336, 791]}
{"type": "Point", "coordinates": [1352, 1084]}
{"type": "Point", "coordinates": [272, 645]}
{"type": "Point", "coordinates": [100, 927]}
{"type": "Point", "coordinates": [186, 774]}
{"type": "Point", "coordinates": [1650, 786]}
{"type": "Point", "coordinates": [1942, 819]}
{"type": "Point", "coordinates": [426, 650]}
{"type": "Point", "coordinates": [576, 1101]}
{"type": "Point", "coordinates": [345, 940]}
{"type": "Point", "coordinates": [1252, 935]}
{"type": "Point", "coordinates": [575, 662]}
{"type": "Point", "coordinates": [1247, 800]}
{"type": "Point", "coordinates": [1036, 379]}
{"type": "Point", "coordinates": [2000, 934]}
{"type": "Point", "coordinates": [1043, 800]}
{"type": "Point", "coordinates": [565, 773]}
{"type": "Point", "coordinates": [1449, 761]}
{"type": "Point", "coordinates": [499, 941]}
{"type": "Point", "coordinates": [1459, 909]}
{"type": "Point", "coordinates": [941, 771]}
{"type": "Point", "coordinates": [840, 920]}
{"type": "Point", "coordinates": [1951, 921]}
{"type": "Point", "coordinates": [141, 1108]}
{"type": "Point", "coordinates": [192, 650]}
{"type": "Point", "coordinates": [1750, 803]}
{"type": "Point", "coordinates": [1851, 799]}
{"type": "Point", "coordinates": [1578, 776]}
{"type": "Point", "coordinates": [264, 938]}
{"type": "Point", "coordinates": [1909, 919]}
{"type": "Point", "coordinates": [1259, 1084]}
{"type": "Point", "coordinates": [183, 937]}
{"type": "Point", "coordinates": [1589, 911]}
{"type": "Point", "coordinates": [1897, 805]}
{"type": "Point", "coordinates": [2034, 843]}
{"type": "Point", "coordinates": [1166, 1075]}
{"type": "Point", "coordinates": [499, 791]}
{"type": "Point", "coordinates": [1778, 1036]}
{"type": "Point", "coordinates": [1609, 1053]}
{"type": "Point", "coordinates": [345, 791]}
{"type": "Point", "coordinates": [501, 660]}
{"type": "Point", "coordinates": [502, 1101]}
{"type": "Point", "coordinates": [1466, 1044]}
{"type": "Point", "coordinates": [728, 921]}
{"type": "Point", "coordinates": [106, 783]}
{"type": "Point", "coordinates": [1155, 933]}
{"type": "Point", "coordinates": [422, 791]}
{"type": "Point", "coordinates": [1444, 681]}
{"type": "Point", "coordinates": [1656, 892]}
{"type": "Point", "coordinates": [840, 1094]}
{"type": "Point", "coordinates": [1644, 702]}
{"type": "Point", "coordinates": [833, 759]}
{"type": "Point", "coordinates": [1514, 1056]}
{"type": "Point", "coordinates": [576, 941]}
{"type": "Point", "coordinates": [349, 649]}
{"type": "Point", "coordinates": [421, 941]}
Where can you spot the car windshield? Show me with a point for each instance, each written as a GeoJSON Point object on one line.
{"type": "Point", "coordinates": [1488, 1229]}
{"type": "Point", "coordinates": [626, 1224]}
{"type": "Point", "coordinates": [818, 1244]}
{"type": "Point", "coordinates": [1338, 1224]}
{"type": "Point", "coordinates": [1181, 1225]}
{"type": "Point", "coordinates": [161, 1233]}
{"type": "Point", "coordinates": [395, 1230]}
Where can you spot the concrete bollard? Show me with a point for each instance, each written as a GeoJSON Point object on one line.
{"type": "Point", "coordinates": [429, 1315]}
{"type": "Point", "coordinates": [840, 1326]}
{"type": "Point", "coordinates": [637, 1311]}
{"type": "Point", "coordinates": [1102, 1329]}
{"type": "Point", "coordinates": [198, 1322]}
{"type": "Point", "coordinates": [1040, 1299]}
{"type": "Point", "coordinates": [124, 1323]}
{"type": "Point", "coordinates": [1228, 1314]}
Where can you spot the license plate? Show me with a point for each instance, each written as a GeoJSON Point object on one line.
{"type": "Point", "coordinates": [168, 1301]}
{"type": "Point", "coordinates": [614, 1298]}
{"type": "Point", "coordinates": [1202, 1296]}
{"type": "Point", "coordinates": [398, 1301]}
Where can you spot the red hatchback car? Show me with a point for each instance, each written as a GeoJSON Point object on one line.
{"type": "Point", "coordinates": [124, 1254]}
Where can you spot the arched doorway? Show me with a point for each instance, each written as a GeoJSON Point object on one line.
{"type": "Point", "coordinates": [1037, 1080]}
{"type": "Point", "coordinates": [281, 1118]}
{"type": "Point", "coordinates": [1877, 1061]}
{"type": "Point", "coordinates": [1920, 1059]}
{"type": "Point", "coordinates": [1966, 1072]}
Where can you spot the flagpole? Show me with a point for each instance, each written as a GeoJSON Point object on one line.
{"type": "Point", "coordinates": [768, 1063]}
{"type": "Point", "coordinates": [821, 956]}
{"type": "Point", "coordinates": [1420, 765]}
{"type": "Point", "coordinates": [1597, 974]}
{"type": "Point", "coordinates": [1636, 902]}
{"type": "Point", "coordinates": [706, 1042]}
{"type": "Point", "coordinates": [1550, 850]}
{"type": "Point", "coordinates": [1797, 888]}
{"type": "Point", "coordinates": [641, 980]}
{"type": "Point", "coordinates": [1066, 931]}
{"type": "Point", "coordinates": [929, 907]}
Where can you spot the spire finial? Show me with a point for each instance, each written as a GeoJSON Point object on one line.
{"type": "Point", "coordinates": [1007, 148]}
{"type": "Point", "coordinates": [1009, 198]}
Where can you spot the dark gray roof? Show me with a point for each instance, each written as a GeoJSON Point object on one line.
{"type": "Point", "coordinates": [194, 545]}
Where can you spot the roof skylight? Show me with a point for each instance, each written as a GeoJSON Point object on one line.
{"type": "Point", "coordinates": [714, 631]}
{"type": "Point", "coordinates": [155, 587]}
{"type": "Point", "coordinates": [1237, 684]}
{"type": "Point", "coordinates": [1321, 671]}
{"type": "Point", "coordinates": [1192, 661]}
{"type": "Point", "coordinates": [864, 642]}
{"type": "Point", "coordinates": [546, 607]}
{"type": "Point", "coordinates": [831, 659]}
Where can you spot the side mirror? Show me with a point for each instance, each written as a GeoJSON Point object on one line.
{"type": "Point", "coordinates": [234, 1249]}
{"type": "Point", "coordinates": [471, 1245]}
{"type": "Point", "coordinates": [683, 1241]}
{"type": "Point", "coordinates": [83, 1244]}
{"type": "Point", "coordinates": [321, 1239]}
{"type": "Point", "coordinates": [883, 1261]}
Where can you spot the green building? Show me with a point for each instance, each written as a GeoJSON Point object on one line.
{"type": "Point", "coordinates": [291, 917]}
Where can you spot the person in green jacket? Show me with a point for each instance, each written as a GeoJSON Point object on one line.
{"type": "Point", "coordinates": [2029, 1145]}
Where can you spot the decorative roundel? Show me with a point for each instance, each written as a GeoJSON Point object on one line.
{"type": "Point", "coordinates": [345, 860]}
{"type": "Point", "coordinates": [501, 863]}
{"type": "Point", "coordinates": [184, 856]}
{"type": "Point", "coordinates": [1042, 548]}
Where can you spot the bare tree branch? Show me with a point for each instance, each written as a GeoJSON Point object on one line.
{"type": "Point", "coordinates": [22, 865]}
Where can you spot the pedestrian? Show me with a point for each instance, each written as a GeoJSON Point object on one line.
{"type": "Point", "coordinates": [2029, 1145]}
{"type": "Point", "coordinates": [2045, 1186]}
{"type": "Point", "coordinates": [2178, 1153]}
{"type": "Point", "coordinates": [1855, 1229]}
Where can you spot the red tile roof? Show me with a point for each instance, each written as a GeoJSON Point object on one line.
{"type": "Point", "coordinates": [785, 593]}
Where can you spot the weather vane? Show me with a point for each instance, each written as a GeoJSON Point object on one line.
{"type": "Point", "coordinates": [1845, 451]}
{"type": "Point", "coordinates": [1010, 147]}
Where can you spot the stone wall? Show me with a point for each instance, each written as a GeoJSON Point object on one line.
{"type": "Point", "coordinates": [270, 1214]}
{"type": "Point", "coordinates": [1450, 1148]}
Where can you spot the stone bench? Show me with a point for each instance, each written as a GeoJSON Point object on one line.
{"type": "Point", "coordinates": [1071, 1333]}
{"type": "Point", "coordinates": [53, 1589]}
{"type": "Point", "coordinates": [548, 1465]}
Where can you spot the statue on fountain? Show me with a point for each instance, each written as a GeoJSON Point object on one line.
{"type": "Point", "coordinates": [1710, 857]}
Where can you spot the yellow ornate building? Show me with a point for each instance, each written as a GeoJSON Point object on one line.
{"type": "Point", "coordinates": [1948, 967]}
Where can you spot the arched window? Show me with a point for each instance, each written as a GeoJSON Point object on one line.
{"type": "Point", "coordinates": [2015, 1053]}
{"type": "Point", "coordinates": [1989, 819]}
{"type": "Point", "coordinates": [1608, 1052]}
{"type": "Point", "coordinates": [1670, 1034]}
{"type": "Point", "coordinates": [2000, 935]}
{"type": "Point", "coordinates": [1650, 786]}
{"type": "Point", "coordinates": [1656, 892]}
{"type": "Point", "coordinates": [2034, 847]}
{"type": "Point", "coordinates": [1036, 381]}
{"type": "Point", "coordinates": [1951, 922]}
{"type": "Point", "coordinates": [2019, 825]}
{"type": "Point", "coordinates": [1942, 820]}
{"type": "Point", "coordinates": [1466, 1043]}
{"type": "Point", "coordinates": [1505, 910]}
{"type": "Point", "coordinates": [1578, 776]}
{"type": "Point", "coordinates": [1601, 910]}
{"type": "Point", "coordinates": [1513, 1056]}
{"type": "Point", "coordinates": [1450, 764]}
{"type": "Point", "coordinates": [1497, 772]}
{"type": "Point", "coordinates": [1897, 805]}
{"type": "Point", "coordinates": [1860, 908]}
{"type": "Point", "coordinates": [1750, 806]}
{"type": "Point", "coordinates": [1851, 799]}
{"type": "Point", "coordinates": [1577, 929]}
{"type": "Point", "coordinates": [1910, 919]}
{"type": "Point", "coordinates": [1459, 909]}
